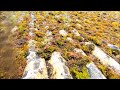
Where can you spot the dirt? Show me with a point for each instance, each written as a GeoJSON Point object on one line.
{"type": "Point", "coordinates": [8, 62]}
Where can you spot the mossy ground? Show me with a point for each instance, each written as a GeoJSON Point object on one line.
{"type": "Point", "coordinates": [98, 27]}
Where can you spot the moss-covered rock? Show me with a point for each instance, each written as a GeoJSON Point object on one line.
{"type": "Point", "coordinates": [80, 75]}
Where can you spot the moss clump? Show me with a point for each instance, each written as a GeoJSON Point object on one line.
{"type": "Point", "coordinates": [60, 42]}
{"type": "Point", "coordinates": [40, 34]}
{"type": "Point", "coordinates": [115, 24]}
{"type": "Point", "coordinates": [47, 51]}
{"type": "Point", "coordinates": [65, 54]}
{"type": "Point", "coordinates": [78, 67]}
{"type": "Point", "coordinates": [103, 69]}
{"type": "Point", "coordinates": [95, 40]}
{"type": "Point", "coordinates": [111, 51]}
{"type": "Point", "coordinates": [72, 55]}
{"type": "Point", "coordinates": [45, 55]}
{"type": "Point", "coordinates": [115, 51]}
{"type": "Point", "coordinates": [23, 26]}
{"type": "Point", "coordinates": [80, 39]}
{"type": "Point", "coordinates": [112, 75]}
{"type": "Point", "coordinates": [108, 50]}
{"type": "Point", "coordinates": [80, 74]}
{"type": "Point", "coordinates": [50, 49]}
{"type": "Point", "coordinates": [87, 49]}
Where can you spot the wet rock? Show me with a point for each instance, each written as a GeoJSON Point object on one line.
{"type": "Point", "coordinates": [60, 70]}
{"type": "Point", "coordinates": [94, 72]}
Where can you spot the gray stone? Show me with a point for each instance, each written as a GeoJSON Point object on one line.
{"type": "Point", "coordinates": [60, 70]}
{"type": "Point", "coordinates": [94, 72]}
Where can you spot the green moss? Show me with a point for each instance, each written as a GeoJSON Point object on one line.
{"type": "Point", "coordinates": [80, 75]}
{"type": "Point", "coordinates": [60, 42]}
{"type": "Point", "coordinates": [51, 49]}
{"type": "Point", "coordinates": [86, 49]}
{"type": "Point", "coordinates": [65, 54]}
{"type": "Point", "coordinates": [45, 55]}
{"type": "Point", "coordinates": [40, 34]}
{"type": "Point", "coordinates": [109, 51]}
{"type": "Point", "coordinates": [23, 26]}
{"type": "Point", "coordinates": [80, 39]}
{"type": "Point", "coordinates": [70, 35]}
{"type": "Point", "coordinates": [95, 40]}
{"type": "Point", "coordinates": [103, 69]}
{"type": "Point", "coordinates": [115, 52]}
{"type": "Point", "coordinates": [41, 45]}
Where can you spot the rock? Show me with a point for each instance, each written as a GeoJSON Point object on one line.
{"type": "Point", "coordinates": [21, 17]}
{"type": "Point", "coordinates": [31, 43]}
{"type": "Point", "coordinates": [75, 32]}
{"type": "Point", "coordinates": [31, 24]}
{"type": "Point", "coordinates": [69, 39]}
{"type": "Point", "coordinates": [114, 47]}
{"type": "Point", "coordinates": [48, 38]}
{"type": "Point", "coordinates": [36, 69]}
{"type": "Point", "coordinates": [77, 50]}
{"type": "Point", "coordinates": [31, 56]}
{"type": "Point", "coordinates": [48, 33]}
{"type": "Point", "coordinates": [106, 60]}
{"type": "Point", "coordinates": [31, 34]}
{"type": "Point", "coordinates": [94, 72]}
{"type": "Point", "coordinates": [60, 70]}
{"type": "Point", "coordinates": [63, 32]}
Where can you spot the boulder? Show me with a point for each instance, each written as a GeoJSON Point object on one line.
{"type": "Point", "coordinates": [36, 69]}
{"type": "Point", "coordinates": [63, 32]}
{"type": "Point", "coordinates": [77, 50]}
{"type": "Point", "coordinates": [60, 70]}
{"type": "Point", "coordinates": [94, 72]}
